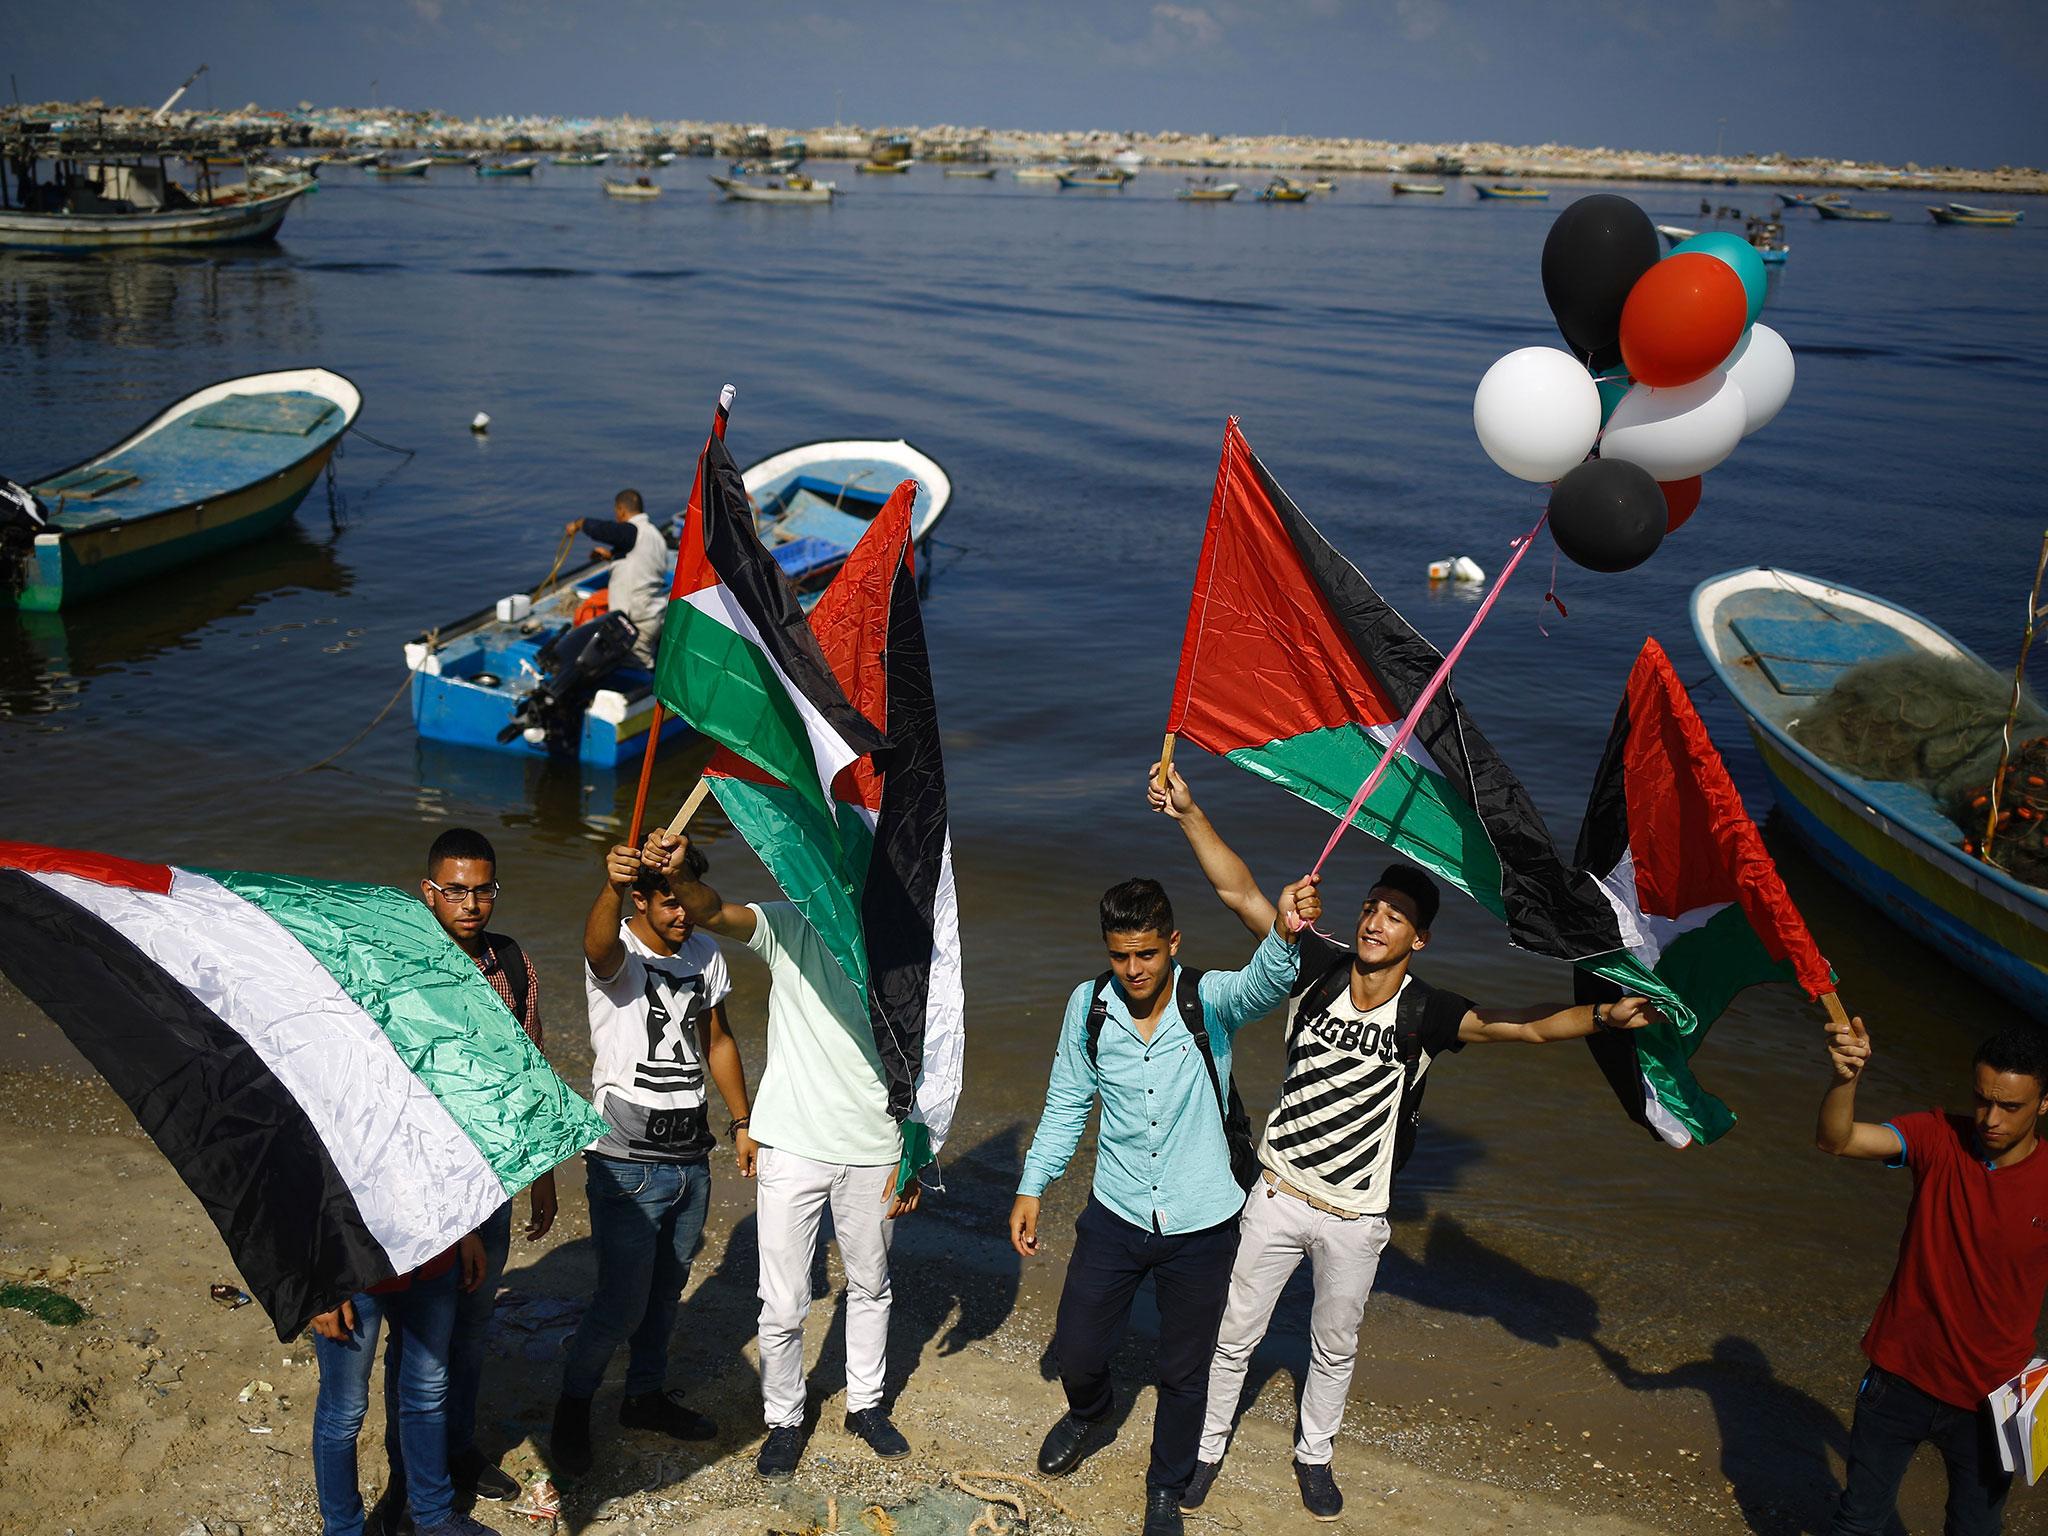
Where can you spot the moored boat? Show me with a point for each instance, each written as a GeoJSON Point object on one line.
{"type": "Point", "coordinates": [395, 168]}
{"type": "Point", "coordinates": [1097, 178]}
{"type": "Point", "coordinates": [442, 156]}
{"type": "Point", "coordinates": [1040, 172]}
{"type": "Point", "coordinates": [1510, 192]}
{"type": "Point", "coordinates": [1987, 218]}
{"type": "Point", "coordinates": [1281, 190]}
{"type": "Point", "coordinates": [1778, 643]}
{"type": "Point", "coordinates": [793, 189]}
{"type": "Point", "coordinates": [598, 157]}
{"type": "Point", "coordinates": [884, 167]}
{"type": "Point", "coordinates": [972, 172]}
{"type": "Point", "coordinates": [1849, 213]}
{"type": "Point", "coordinates": [1419, 188]}
{"type": "Point", "coordinates": [216, 468]}
{"type": "Point", "coordinates": [522, 167]}
{"type": "Point", "coordinates": [1675, 234]}
{"type": "Point", "coordinates": [474, 680]}
{"type": "Point", "coordinates": [639, 187]}
{"type": "Point", "coordinates": [1324, 185]}
{"type": "Point", "coordinates": [1208, 189]}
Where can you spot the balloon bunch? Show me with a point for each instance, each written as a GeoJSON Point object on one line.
{"type": "Point", "coordinates": [1669, 370]}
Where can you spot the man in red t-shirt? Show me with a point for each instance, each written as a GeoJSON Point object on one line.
{"type": "Point", "coordinates": [1958, 1319]}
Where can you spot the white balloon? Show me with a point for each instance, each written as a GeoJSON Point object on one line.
{"type": "Point", "coordinates": [1537, 413]}
{"type": "Point", "coordinates": [1679, 432]}
{"type": "Point", "coordinates": [1761, 367]}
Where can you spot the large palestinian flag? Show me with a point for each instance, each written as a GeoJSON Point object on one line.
{"type": "Point", "coordinates": [329, 1074]}
{"type": "Point", "coordinates": [1294, 668]}
{"type": "Point", "coordinates": [737, 659]}
{"type": "Point", "coordinates": [1698, 897]}
{"type": "Point", "coordinates": [876, 878]}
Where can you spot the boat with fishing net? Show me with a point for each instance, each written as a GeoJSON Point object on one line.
{"type": "Point", "coordinates": [1910, 768]}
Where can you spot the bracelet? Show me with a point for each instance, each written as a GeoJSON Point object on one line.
{"type": "Point", "coordinates": [732, 1131]}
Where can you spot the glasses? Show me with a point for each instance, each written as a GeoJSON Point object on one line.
{"type": "Point", "coordinates": [462, 895]}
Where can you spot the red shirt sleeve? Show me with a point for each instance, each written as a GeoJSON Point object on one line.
{"type": "Point", "coordinates": [1927, 1137]}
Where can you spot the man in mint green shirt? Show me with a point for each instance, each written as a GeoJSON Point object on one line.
{"type": "Point", "coordinates": [821, 1122]}
{"type": "Point", "coordinates": [1165, 1200]}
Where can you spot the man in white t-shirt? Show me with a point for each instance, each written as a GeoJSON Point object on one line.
{"type": "Point", "coordinates": [1361, 1032]}
{"type": "Point", "coordinates": [655, 988]}
{"type": "Point", "coordinates": [822, 1121]}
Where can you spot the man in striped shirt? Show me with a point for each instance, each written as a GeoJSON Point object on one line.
{"type": "Point", "coordinates": [1361, 1032]}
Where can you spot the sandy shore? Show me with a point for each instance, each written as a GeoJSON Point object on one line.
{"type": "Point", "coordinates": [133, 1421]}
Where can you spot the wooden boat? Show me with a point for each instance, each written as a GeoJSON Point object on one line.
{"type": "Point", "coordinates": [1767, 237]}
{"type": "Point", "coordinates": [1040, 172]}
{"type": "Point", "coordinates": [453, 156]}
{"type": "Point", "coordinates": [792, 189]}
{"type": "Point", "coordinates": [812, 504]}
{"type": "Point", "coordinates": [396, 168]}
{"type": "Point", "coordinates": [1096, 178]}
{"type": "Point", "coordinates": [1281, 190]}
{"type": "Point", "coordinates": [780, 167]}
{"type": "Point", "coordinates": [58, 193]}
{"type": "Point", "coordinates": [215, 469]}
{"type": "Point", "coordinates": [884, 167]}
{"type": "Point", "coordinates": [523, 167]}
{"type": "Point", "coordinates": [890, 149]}
{"type": "Point", "coordinates": [1795, 199]}
{"type": "Point", "coordinates": [598, 158]}
{"type": "Point", "coordinates": [639, 187]}
{"type": "Point", "coordinates": [1502, 191]}
{"type": "Point", "coordinates": [1208, 190]}
{"type": "Point", "coordinates": [972, 172]}
{"type": "Point", "coordinates": [1849, 213]}
{"type": "Point", "coordinates": [1777, 641]}
{"type": "Point", "coordinates": [1419, 188]}
{"type": "Point", "coordinates": [1986, 218]}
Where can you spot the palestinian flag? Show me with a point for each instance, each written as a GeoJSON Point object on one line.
{"type": "Point", "coordinates": [876, 878]}
{"type": "Point", "coordinates": [329, 1074]}
{"type": "Point", "coordinates": [1698, 898]}
{"type": "Point", "coordinates": [1294, 668]}
{"type": "Point", "coordinates": [737, 659]}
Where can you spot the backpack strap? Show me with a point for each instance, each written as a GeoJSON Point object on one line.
{"type": "Point", "coordinates": [1098, 1014]}
{"type": "Point", "coordinates": [518, 974]}
{"type": "Point", "coordinates": [1187, 997]}
{"type": "Point", "coordinates": [1410, 1010]}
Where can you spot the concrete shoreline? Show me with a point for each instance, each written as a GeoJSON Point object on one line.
{"type": "Point", "coordinates": [394, 128]}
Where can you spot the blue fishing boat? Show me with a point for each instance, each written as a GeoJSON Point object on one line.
{"type": "Point", "coordinates": [1778, 642]}
{"type": "Point", "coordinates": [523, 167]}
{"type": "Point", "coordinates": [531, 674]}
{"type": "Point", "coordinates": [219, 467]}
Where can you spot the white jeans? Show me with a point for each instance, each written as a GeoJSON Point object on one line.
{"type": "Point", "coordinates": [1273, 1234]}
{"type": "Point", "coordinates": [790, 1193]}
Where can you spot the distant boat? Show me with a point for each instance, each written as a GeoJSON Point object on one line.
{"type": "Point", "coordinates": [1419, 188]}
{"type": "Point", "coordinates": [215, 469]}
{"type": "Point", "coordinates": [794, 189]}
{"type": "Point", "coordinates": [1849, 213]}
{"type": "Point", "coordinates": [638, 187]}
{"type": "Point", "coordinates": [1795, 199]}
{"type": "Point", "coordinates": [1675, 234]}
{"type": "Point", "coordinates": [1989, 218]}
{"type": "Point", "coordinates": [1208, 190]}
{"type": "Point", "coordinates": [1503, 191]}
{"type": "Point", "coordinates": [598, 158]}
{"type": "Point", "coordinates": [1323, 184]}
{"type": "Point", "coordinates": [1096, 178]}
{"type": "Point", "coordinates": [972, 172]}
{"type": "Point", "coordinates": [1281, 190]}
{"type": "Point", "coordinates": [1767, 237]}
{"type": "Point", "coordinates": [1776, 642]}
{"type": "Point", "coordinates": [779, 167]}
{"type": "Point", "coordinates": [507, 167]}
{"type": "Point", "coordinates": [1040, 172]}
{"type": "Point", "coordinates": [453, 156]}
{"type": "Point", "coordinates": [474, 680]}
{"type": "Point", "coordinates": [399, 167]}
{"type": "Point", "coordinates": [884, 167]}
{"type": "Point", "coordinates": [94, 197]}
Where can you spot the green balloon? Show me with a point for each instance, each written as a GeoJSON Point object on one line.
{"type": "Point", "coordinates": [1611, 391]}
{"type": "Point", "coordinates": [1741, 256]}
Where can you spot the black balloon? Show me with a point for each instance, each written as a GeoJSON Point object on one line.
{"type": "Point", "coordinates": [1608, 515]}
{"type": "Point", "coordinates": [1595, 251]}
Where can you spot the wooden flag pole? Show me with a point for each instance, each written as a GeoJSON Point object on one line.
{"type": "Point", "coordinates": [682, 817]}
{"type": "Point", "coordinates": [646, 776]}
{"type": "Point", "coordinates": [1166, 761]}
{"type": "Point", "coordinates": [1837, 1014]}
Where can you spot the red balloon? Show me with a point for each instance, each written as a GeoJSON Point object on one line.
{"type": "Point", "coordinates": [1681, 500]}
{"type": "Point", "coordinates": [1682, 319]}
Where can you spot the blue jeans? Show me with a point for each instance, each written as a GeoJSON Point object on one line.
{"type": "Point", "coordinates": [1894, 1419]}
{"type": "Point", "coordinates": [465, 1352]}
{"type": "Point", "coordinates": [424, 1315]}
{"type": "Point", "coordinates": [647, 1221]}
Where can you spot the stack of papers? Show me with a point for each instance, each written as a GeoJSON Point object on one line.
{"type": "Point", "coordinates": [2016, 1408]}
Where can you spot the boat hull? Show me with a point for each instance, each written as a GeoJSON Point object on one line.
{"type": "Point", "coordinates": [461, 712]}
{"type": "Point", "coordinates": [240, 223]}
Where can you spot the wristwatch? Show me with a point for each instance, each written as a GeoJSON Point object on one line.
{"type": "Point", "coordinates": [1600, 1017]}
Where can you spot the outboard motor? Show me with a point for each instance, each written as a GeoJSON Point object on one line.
{"type": "Point", "coordinates": [575, 662]}
{"type": "Point", "coordinates": [22, 517]}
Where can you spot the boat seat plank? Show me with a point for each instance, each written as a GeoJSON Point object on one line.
{"type": "Point", "coordinates": [812, 517]}
{"type": "Point", "coordinates": [863, 498]}
{"type": "Point", "coordinates": [1805, 655]}
{"type": "Point", "coordinates": [90, 483]}
{"type": "Point", "coordinates": [800, 557]}
{"type": "Point", "coordinates": [289, 415]}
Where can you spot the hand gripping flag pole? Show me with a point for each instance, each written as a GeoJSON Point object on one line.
{"type": "Point", "coordinates": [682, 817]}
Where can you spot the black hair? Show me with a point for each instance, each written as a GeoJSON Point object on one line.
{"type": "Point", "coordinates": [1136, 906]}
{"type": "Point", "coordinates": [1417, 887]}
{"type": "Point", "coordinates": [630, 498]}
{"type": "Point", "coordinates": [2020, 1048]}
{"type": "Point", "coordinates": [695, 867]}
{"type": "Point", "coordinates": [461, 843]}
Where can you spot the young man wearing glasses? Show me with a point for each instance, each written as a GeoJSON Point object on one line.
{"type": "Point", "coordinates": [461, 890]}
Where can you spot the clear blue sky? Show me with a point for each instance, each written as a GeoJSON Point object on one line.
{"type": "Point", "coordinates": [1957, 82]}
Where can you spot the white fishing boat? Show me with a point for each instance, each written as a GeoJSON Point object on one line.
{"type": "Point", "coordinates": [639, 187]}
{"type": "Point", "coordinates": [792, 189]}
{"type": "Point", "coordinates": [1041, 173]}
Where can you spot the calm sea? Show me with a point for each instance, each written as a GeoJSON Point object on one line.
{"type": "Point", "coordinates": [1070, 358]}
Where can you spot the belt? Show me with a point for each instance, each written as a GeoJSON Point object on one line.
{"type": "Point", "coordinates": [1277, 1185]}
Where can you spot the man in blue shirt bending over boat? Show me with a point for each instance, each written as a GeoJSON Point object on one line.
{"type": "Point", "coordinates": [642, 571]}
{"type": "Point", "coordinates": [1171, 1167]}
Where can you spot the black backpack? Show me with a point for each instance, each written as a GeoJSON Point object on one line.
{"type": "Point", "coordinates": [1321, 990]}
{"type": "Point", "coordinates": [1187, 997]}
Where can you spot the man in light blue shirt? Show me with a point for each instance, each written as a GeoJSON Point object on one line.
{"type": "Point", "coordinates": [1154, 1043]}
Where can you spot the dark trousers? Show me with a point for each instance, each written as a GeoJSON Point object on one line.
{"type": "Point", "coordinates": [1894, 1419]}
{"type": "Point", "coordinates": [1191, 1276]}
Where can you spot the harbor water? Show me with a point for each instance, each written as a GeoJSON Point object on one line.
{"type": "Point", "coordinates": [1070, 358]}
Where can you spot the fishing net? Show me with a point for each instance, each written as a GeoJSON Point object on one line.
{"type": "Point", "coordinates": [1936, 722]}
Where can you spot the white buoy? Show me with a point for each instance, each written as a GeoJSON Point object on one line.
{"type": "Point", "coordinates": [1460, 568]}
{"type": "Point", "coordinates": [481, 424]}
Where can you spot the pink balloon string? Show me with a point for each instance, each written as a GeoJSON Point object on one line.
{"type": "Point", "coordinates": [1414, 717]}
